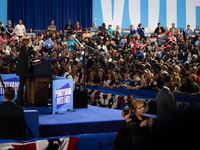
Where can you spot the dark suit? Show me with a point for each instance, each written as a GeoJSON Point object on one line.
{"type": "Point", "coordinates": [12, 124]}
{"type": "Point", "coordinates": [166, 107]}
{"type": "Point", "coordinates": [23, 70]}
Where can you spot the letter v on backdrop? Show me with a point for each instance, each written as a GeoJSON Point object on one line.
{"type": "Point", "coordinates": [147, 12]}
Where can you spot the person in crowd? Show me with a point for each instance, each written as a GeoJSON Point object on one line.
{"type": "Point", "coordinates": [78, 29]}
{"type": "Point", "coordinates": [132, 31]}
{"type": "Point", "coordinates": [110, 42]}
{"type": "Point", "coordinates": [1, 29]}
{"type": "Point", "coordinates": [124, 82]}
{"type": "Point", "coordinates": [118, 30]}
{"type": "Point", "coordinates": [67, 72]}
{"type": "Point", "coordinates": [13, 124]}
{"type": "Point", "coordinates": [176, 84]}
{"type": "Point", "coordinates": [71, 43]}
{"type": "Point", "coordinates": [173, 29]}
{"type": "Point", "coordinates": [159, 28]}
{"type": "Point", "coordinates": [140, 30]}
{"type": "Point", "coordinates": [81, 76]}
{"type": "Point", "coordinates": [187, 86]}
{"type": "Point", "coordinates": [92, 79]}
{"type": "Point", "coordinates": [194, 71]}
{"type": "Point", "coordinates": [195, 86]}
{"type": "Point", "coordinates": [188, 31]}
{"type": "Point", "coordinates": [64, 42]}
{"type": "Point", "coordinates": [110, 75]}
{"type": "Point", "coordinates": [197, 32]}
{"type": "Point", "coordinates": [197, 43]}
{"type": "Point", "coordinates": [102, 29]}
{"type": "Point", "coordinates": [87, 34]}
{"type": "Point", "coordinates": [102, 47]}
{"type": "Point", "coordinates": [93, 30]}
{"type": "Point", "coordinates": [68, 28]}
{"type": "Point", "coordinates": [116, 80]}
{"type": "Point", "coordinates": [52, 28]}
{"type": "Point", "coordinates": [20, 29]}
{"type": "Point", "coordinates": [23, 69]}
{"type": "Point", "coordinates": [101, 78]}
{"type": "Point", "coordinates": [136, 82]}
{"type": "Point", "coordinates": [109, 30]}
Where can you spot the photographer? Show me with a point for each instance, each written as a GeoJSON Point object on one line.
{"type": "Point", "coordinates": [140, 30]}
{"type": "Point", "coordinates": [138, 126]}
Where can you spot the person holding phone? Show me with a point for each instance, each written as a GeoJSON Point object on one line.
{"type": "Point", "coordinates": [23, 69]}
{"type": "Point", "coordinates": [139, 126]}
{"type": "Point", "coordinates": [140, 30]}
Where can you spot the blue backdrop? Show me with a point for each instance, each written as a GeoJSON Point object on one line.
{"type": "Point", "coordinates": [37, 14]}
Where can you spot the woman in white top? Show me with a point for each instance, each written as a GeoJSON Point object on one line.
{"type": "Point", "coordinates": [20, 29]}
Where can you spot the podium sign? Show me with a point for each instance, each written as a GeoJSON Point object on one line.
{"type": "Point", "coordinates": [62, 98]}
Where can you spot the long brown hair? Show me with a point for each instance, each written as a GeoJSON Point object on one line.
{"type": "Point", "coordinates": [25, 42]}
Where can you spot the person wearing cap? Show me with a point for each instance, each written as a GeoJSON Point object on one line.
{"type": "Point", "coordinates": [123, 83]}
{"type": "Point", "coordinates": [102, 29]}
{"type": "Point", "coordinates": [68, 28]}
{"type": "Point", "coordinates": [87, 34]}
{"type": "Point", "coordinates": [110, 30]}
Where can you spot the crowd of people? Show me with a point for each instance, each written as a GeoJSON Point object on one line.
{"type": "Point", "coordinates": [115, 60]}
{"type": "Point", "coordinates": [131, 61]}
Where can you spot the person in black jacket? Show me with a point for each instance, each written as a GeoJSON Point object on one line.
{"type": "Point", "coordinates": [12, 124]}
{"type": "Point", "coordinates": [23, 69]}
{"type": "Point", "coordinates": [138, 125]}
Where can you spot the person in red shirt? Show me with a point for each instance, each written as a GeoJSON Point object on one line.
{"type": "Point", "coordinates": [194, 70]}
{"type": "Point", "coordinates": [78, 29]}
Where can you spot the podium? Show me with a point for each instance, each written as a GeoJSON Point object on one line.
{"type": "Point", "coordinates": [37, 88]}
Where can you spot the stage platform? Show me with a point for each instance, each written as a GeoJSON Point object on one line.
{"type": "Point", "coordinates": [78, 121]}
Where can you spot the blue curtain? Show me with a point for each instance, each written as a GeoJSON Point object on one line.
{"type": "Point", "coordinates": [37, 14]}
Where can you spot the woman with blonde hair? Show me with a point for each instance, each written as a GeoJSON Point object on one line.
{"type": "Point", "coordinates": [23, 69]}
{"type": "Point", "coordinates": [140, 126]}
{"type": "Point", "coordinates": [9, 29]}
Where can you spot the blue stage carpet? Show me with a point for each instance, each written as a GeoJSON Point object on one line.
{"type": "Point", "coordinates": [78, 121]}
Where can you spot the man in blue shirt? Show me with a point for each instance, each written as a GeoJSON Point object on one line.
{"type": "Point", "coordinates": [123, 83]}
{"type": "Point", "coordinates": [138, 53]}
{"type": "Point", "coordinates": [110, 30]}
{"type": "Point", "coordinates": [140, 30]}
{"type": "Point", "coordinates": [71, 43]}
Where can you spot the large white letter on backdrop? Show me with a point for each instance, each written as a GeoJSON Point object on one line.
{"type": "Point", "coordinates": [153, 14]}
{"type": "Point", "coordinates": [191, 12]}
{"type": "Point", "coordinates": [134, 12]}
{"type": "Point", "coordinates": [107, 12]}
{"type": "Point", "coordinates": [171, 13]}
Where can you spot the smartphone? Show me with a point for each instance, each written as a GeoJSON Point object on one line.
{"type": "Point", "coordinates": [126, 109]}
